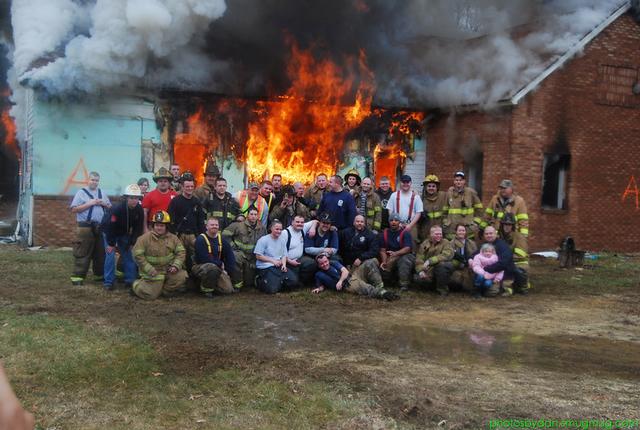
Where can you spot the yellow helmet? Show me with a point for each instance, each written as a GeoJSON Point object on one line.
{"type": "Point", "coordinates": [431, 179]}
{"type": "Point", "coordinates": [162, 217]}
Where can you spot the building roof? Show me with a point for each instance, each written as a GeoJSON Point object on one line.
{"type": "Point", "coordinates": [558, 62]}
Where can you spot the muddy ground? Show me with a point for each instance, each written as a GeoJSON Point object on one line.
{"type": "Point", "coordinates": [560, 352]}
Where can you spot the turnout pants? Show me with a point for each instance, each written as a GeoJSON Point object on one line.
{"type": "Point", "coordinates": [245, 272]}
{"type": "Point", "coordinates": [366, 280]}
{"type": "Point", "coordinates": [272, 280]}
{"type": "Point", "coordinates": [400, 268]}
{"type": "Point", "coordinates": [88, 250]}
{"type": "Point", "coordinates": [213, 278]}
{"type": "Point", "coordinates": [437, 275]}
{"type": "Point", "coordinates": [166, 284]}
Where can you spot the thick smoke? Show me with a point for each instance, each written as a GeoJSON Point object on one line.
{"type": "Point", "coordinates": [423, 53]}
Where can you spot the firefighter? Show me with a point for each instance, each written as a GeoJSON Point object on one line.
{"type": "Point", "coordinates": [159, 198]}
{"type": "Point", "coordinates": [358, 244]}
{"type": "Point", "coordinates": [251, 197]}
{"type": "Point", "coordinates": [507, 202]}
{"type": "Point", "coordinates": [363, 280]}
{"type": "Point", "coordinates": [176, 185]}
{"type": "Point", "coordinates": [89, 206]}
{"type": "Point", "coordinates": [433, 262]}
{"type": "Point", "coordinates": [519, 245]}
{"type": "Point", "coordinates": [222, 205]}
{"type": "Point", "coordinates": [384, 192]}
{"type": "Point", "coordinates": [214, 260]}
{"type": "Point", "coordinates": [122, 230]}
{"type": "Point", "coordinates": [266, 192]}
{"type": "Point", "coordinates": [352, 182]}
{"type": "Point", "coordinates": [288, 207]}
{"type": "Point", "coordinates": [433, 202]}
{"type": "Point", "coordinates": [187, 217]}
{"type": "Point", "coordinates": [463, 250]}
{"type": "Point", "coordinates": [243, 237]}
{"type": "Point", "coordinates": [368, 205]}
{"type": "Point", "coordinates": [408, 205]}
{"type": "Point", "coordinates": [207, 190]}
{"type": "Point", "coordinates": [271, 262]}
{"type": "Point", "coordinates": [463, 206]}
{"type": "Point", "coordinates": [396, 259]}
{"type": "Point", "coordinates": [160, 256]}
{"type": "Point", "coordinates": [313, 195]}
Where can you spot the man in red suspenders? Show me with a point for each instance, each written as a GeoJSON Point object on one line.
{"type": "Point", "coordinates": [408, 205]}
{"type": "Point", "coordinates": [396, 259]}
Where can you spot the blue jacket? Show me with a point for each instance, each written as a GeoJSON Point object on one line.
{"type": "Point", "coordinates": [329, 240]}
{"type": "Point", "coordinates": [202, 254]}
{"type": "Point", "coordinates": [341, 206]}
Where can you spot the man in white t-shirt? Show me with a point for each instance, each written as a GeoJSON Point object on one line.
{"type": "Point", "coordinates": [408, 204]}
{"type": "Point", "coordinates": [271, 262]}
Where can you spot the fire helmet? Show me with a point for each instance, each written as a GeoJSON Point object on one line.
{"type": "Point", "coordinates": [162, 217]}
{"type": "Point", "coordinates": [132, 190]}
{"type": "Point", "coordinates": [355, 174]}
{"type": "Point", "coordinates": [429, 179]}
{"type": "Point", "coordinates": [162, 173]}
{"type": "Point", "coordinates": [212, 170]}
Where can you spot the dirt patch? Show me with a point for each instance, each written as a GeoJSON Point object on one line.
{"type": "Point", "coordinates": [423, 360]}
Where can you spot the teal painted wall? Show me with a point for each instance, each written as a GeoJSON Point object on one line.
{"type": "Point", "coordinates": [71, 137]}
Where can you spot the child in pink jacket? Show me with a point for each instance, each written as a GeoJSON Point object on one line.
{"type": "Point", "coordinates": [486, 257]}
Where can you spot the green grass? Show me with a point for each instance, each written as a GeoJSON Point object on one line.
{"type": "Point", "coordinates": [609, 273]}
{"type": "Point", "coordinates": [75, 376]}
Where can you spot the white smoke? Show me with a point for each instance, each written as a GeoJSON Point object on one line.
{"type": "Point", "coordinates": [113, 43]}
{"type": "Point", "coordinates": [423, 53]}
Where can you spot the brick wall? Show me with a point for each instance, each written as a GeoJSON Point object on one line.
{"type": "Point", "coordinates": [589, 102]}
{"type": "Point", "coordinates": [53, 222]}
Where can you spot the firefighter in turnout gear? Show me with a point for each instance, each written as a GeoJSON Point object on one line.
{"type": "Point", "coordinates": [519, 245]}
{"type": "Point", "coordinates": [313, 195]}
{"type": "Point", "coordinates": [206, 190]}
{"type": "Point", "coordinates": [222, 205]}
{"type": "Point", "coordinates": [433, 262]}
{"type": "Point", "coordinates": [352, 182]}
{"type": "Point", "coordinates": [288, 207]}
{"type": "Point", "coordinates": [433, 202]}
{"type": "Point", "coordinates": [243, 237]}
{"type": "Point", "coordinates": [463, 207]}
{"type": "Point", "coordinates": [507, 202]}
{"type": "Point", "coordinates": [187, 217]}
{"type": "Point", "coordinates": [368, 205]}
{"type": "Point", "coordinates": [214, 260]}
{"type": "Point", "coordinates": [160, 256]}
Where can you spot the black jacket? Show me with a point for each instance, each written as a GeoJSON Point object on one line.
{"type": "Point", "coordinates": [358, 244]}
{"type": "Point", "coordinates": [124, 222]}
{"type": "Point", "coordinates": [505, 259]}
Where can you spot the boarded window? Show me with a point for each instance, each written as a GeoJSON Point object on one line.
{"type": "Point", "coordinates": [554, 181]}
{"type": "Point", "coordinates": [615, 86]}
{"type": "Point", "coordinates": [473, 170]}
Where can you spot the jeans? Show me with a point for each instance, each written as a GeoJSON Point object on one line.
{"type": "Point", "coordinates": [129, 265]}
{"type": "Point", "coordinates": [481, 283]}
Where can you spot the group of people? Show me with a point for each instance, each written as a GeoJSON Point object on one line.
{"type": "Point", "coordinates": [338, 234]}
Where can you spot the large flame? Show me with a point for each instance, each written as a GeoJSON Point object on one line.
{"type": "Point", "coordinates": [304, 133]}
{"type": "Point", "coordinates": [9, 127]}
{"type": "Point", "coordinates": [193, 145]}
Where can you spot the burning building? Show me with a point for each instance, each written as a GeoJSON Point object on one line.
{"type": "Point", "coordinates": [533, 91]}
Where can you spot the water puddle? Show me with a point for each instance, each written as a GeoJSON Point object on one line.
{"type": "Point", "coordinates": [567, 354]}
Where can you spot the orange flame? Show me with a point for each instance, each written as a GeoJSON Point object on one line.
{"type": "Point", "coordinates": [193, 146]}
{"type": "Point", "coordinates": [304, 133]}
{"type": "Point", "coordinates": [10, 133]}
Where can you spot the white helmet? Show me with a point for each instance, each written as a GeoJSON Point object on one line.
{"type": "Point", "coordinates": [133, 190]}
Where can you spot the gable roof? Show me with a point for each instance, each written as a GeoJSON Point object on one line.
{"type": "Point", "coordinates": [569, 54]}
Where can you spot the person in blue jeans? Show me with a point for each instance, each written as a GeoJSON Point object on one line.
{"type": "Point", "coordinates": [120, 233]}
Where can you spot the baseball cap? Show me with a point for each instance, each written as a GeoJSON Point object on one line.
{"type": "Point", "coordinates": [324, 217]}
{"type": "Point", "coordinates": [459, 173]}
{"type": "Point", "coordinates": [253, 185]}
{"type": "Point", "coordinates": [506, 183]}
{"type": "Point", "coordinates": [405, 178]}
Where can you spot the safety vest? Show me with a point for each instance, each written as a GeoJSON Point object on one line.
{"type": "Point", "coordinates": [209, 248]}
{"type": "Point", "coordinates": [244, 203]}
